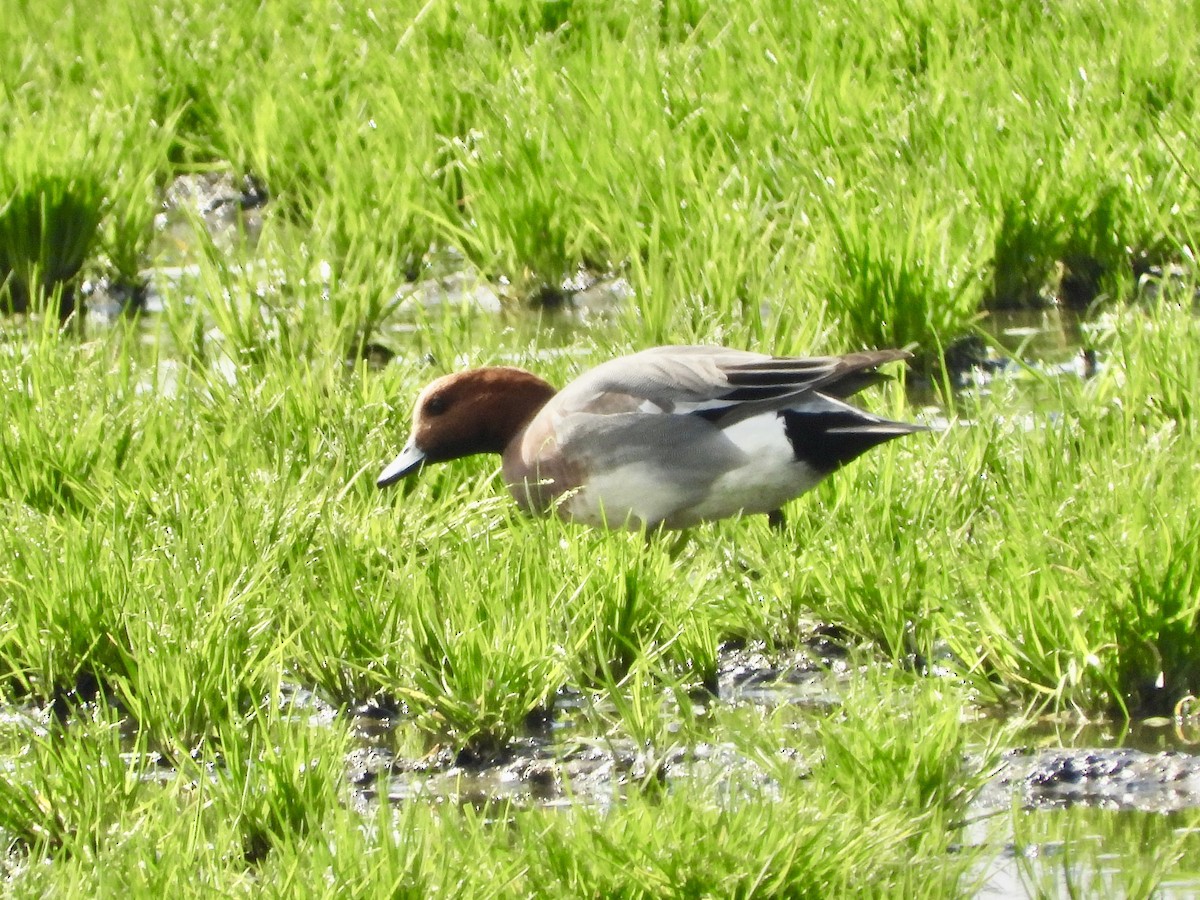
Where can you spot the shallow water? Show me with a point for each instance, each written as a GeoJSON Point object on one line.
{"type": "Point", "coordinates": [572, 755]}
{"type": "Point", "coordinates": [1055, 808]}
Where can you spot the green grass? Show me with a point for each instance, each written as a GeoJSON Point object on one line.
{"type": "Point", "coordinates": [47, 226]}
{"type": "Point", "coordinates": [190, 518]}
{"type": "Point", "coordinates": [875, 170]}
{"type": "Point", "coordinates": [190, 526]}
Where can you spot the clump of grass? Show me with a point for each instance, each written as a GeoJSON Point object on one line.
{"type": "Point", "coordinates": [48, 225]}
{"type": "Point", "coordinates": [866, 748]}
{"type": "Point", "coordinates": [1029, 238]}
{"type": "Point", "coordinates": [276, 782]}
{"type": "Point", "coordinates": [617, 617]}
{"type": "Point", "coordinates": [416, 849]}
{"type": "Point", "coordinates": [1156, 627]}
{"type": "Point", "coordinates": [480, 661]}
{"type": "Point", "coordinates": [1058, 238]}
{"type": "Point", "coordinates": [902, 276]}
{"type": "Point", "coordinates": [67, 793]}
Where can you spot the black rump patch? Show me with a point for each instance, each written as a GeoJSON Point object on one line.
{"type": "Point", "coordinates": [827, 440]}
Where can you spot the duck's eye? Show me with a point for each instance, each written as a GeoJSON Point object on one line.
{"type": "Point", "coordinates": [436, 405]}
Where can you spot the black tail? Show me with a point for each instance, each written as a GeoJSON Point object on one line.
{"type": "Point", "coordinates": [828, 439]}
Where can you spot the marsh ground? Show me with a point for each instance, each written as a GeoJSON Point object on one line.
{"type": "Point", "coordinates": [204, 596]}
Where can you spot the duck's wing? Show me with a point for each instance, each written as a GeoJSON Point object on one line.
{"type": "Point", "coordinates": [720, 385]}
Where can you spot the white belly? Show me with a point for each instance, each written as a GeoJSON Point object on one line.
{"type": "Point", "coordinates": [766, 476]}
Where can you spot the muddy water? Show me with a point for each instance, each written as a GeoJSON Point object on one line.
{"type": "Point", "coordinates": [1055, 818]}
{"type": "Point", "coordinates": [571, 755]}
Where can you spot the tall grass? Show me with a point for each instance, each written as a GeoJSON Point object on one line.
{"type": "Point", "coordinates": [47, 226]}
{"type": "Point", "coordinates": [191, 524]}
{"type": "Point", "coordinates": [1000, 155]}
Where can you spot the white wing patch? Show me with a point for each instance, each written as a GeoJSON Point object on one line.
{"type": "Point", "coordinates": [761, 437]}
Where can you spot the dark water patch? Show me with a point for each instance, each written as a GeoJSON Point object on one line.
{"type": "Point", "coordinates": [1054, 342]}
{"type": "Point", "coordinates": [227, 208]}
{"type": "Point", "coordinates": [570, 753]}
{"type": "Point", "coordinates": [596, 772]}
{"type": "Point", "coordinates": [1113, 779]}
{"type": "Point", "coordinates": [573, 754]}
{"type": "Point", "coordinates": [1048, 337]}
{"type": "Point", "coordinates": [809, 675]}
{"type": "Point", "coordinates": [1029, 348]}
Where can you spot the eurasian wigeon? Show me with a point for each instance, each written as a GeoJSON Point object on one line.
{"type": "Point", "coordinates": [670, 437]}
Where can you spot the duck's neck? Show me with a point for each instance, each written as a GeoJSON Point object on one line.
{"type": "Point", "coordinates": [515, 397]}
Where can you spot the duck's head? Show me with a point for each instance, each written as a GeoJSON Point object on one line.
{"type": "Point", "coordinates": [477, 411]}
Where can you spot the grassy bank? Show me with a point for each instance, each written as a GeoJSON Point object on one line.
{"type": "Point", "coordinates": [191, 524]}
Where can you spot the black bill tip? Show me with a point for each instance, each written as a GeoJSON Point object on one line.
{"type": "Point", "coordinates": [411, 459]}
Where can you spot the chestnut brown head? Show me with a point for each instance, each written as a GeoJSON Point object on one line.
{"type": "Point", "coordinates": [477, 411]}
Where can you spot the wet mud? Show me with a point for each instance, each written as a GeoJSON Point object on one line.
{"type": "Point", "coordinates": [562, 762]}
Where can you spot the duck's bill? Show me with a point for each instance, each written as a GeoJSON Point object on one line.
{"type": "Point", "coordinates": [410, 459]}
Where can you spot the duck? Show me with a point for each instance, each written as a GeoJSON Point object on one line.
{"type": "Point", "coordinates": [666, 438]}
